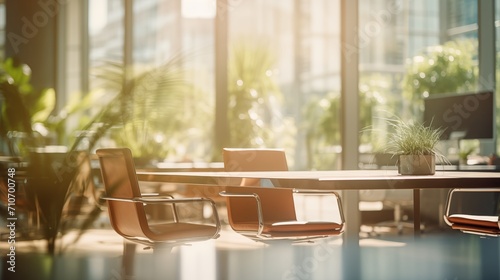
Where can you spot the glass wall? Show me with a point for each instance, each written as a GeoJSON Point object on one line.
{"type": "Point", "coordinates": [410, 50]}
{"type": "Point", "coordinates": [283, 71]}
{"type": "Point", "coordinates": [284, 79]}
{"type": "Point", "coordinates": [168, 51]}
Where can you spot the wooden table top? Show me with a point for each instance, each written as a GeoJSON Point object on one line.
{"type": "Point", "coordinates": [333, 180]}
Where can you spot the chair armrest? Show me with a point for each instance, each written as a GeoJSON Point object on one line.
{"type": "Point", "coordinates": [314, 192]}
{"type": "Point", "coordinates": [155, 195]}
{"type": "Point", "coordinates": [168, 200]}
{"type": "Point", "coordinates": [321, 192]}
{"type": "Point", "coordinates": [260, 216]}
{"type": "Point", "coordinates": [159, 199]}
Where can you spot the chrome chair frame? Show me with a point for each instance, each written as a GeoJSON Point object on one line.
{"type": "Point", "coordinates": [167, 199]}
{"type": "Point", "coordinates": [122, 186]}
{"type": "Point", "coordinates": [266, 159]}
{"type": "Point", "coordinates": [258, 235]}
{"type": "Point", "coordinates": [494, 232]}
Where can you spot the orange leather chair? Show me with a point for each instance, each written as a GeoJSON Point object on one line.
{"type": "Point", "coordinates": [268, 213]}
{"type": "Point", "coordinates": [126, 206]}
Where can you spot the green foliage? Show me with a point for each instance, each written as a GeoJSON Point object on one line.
{"type": "Point", "coordinates": [323, 121]}
{"type": "Point", "coordinates": [464, 153]}
{"type": "Point", "coordinates": [43, 106]}
{"type": "Point", "coordinates": [77, 113]}
{"type": "Point", "coordinates": [26, 110]}
{"type": "Point", "coordinates": [23, 105]}
{"type": "Point", "coordinates": [412, 138]}
{"type": "Point", "coordinates": [160, 109]}
{"type": "Point", "coordinates": [375, 98]}
{"type": "Point", "coordinates": [253, 96]}
{"type": "Point", "coordinates": [441, 69]}
{"type": "Point", "coordinates": [328, 119]}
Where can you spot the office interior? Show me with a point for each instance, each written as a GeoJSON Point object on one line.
{"type": "Point", "coordinates": [317, 78]}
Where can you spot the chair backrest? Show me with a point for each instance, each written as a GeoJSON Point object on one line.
{"type": "Point", "coordinates": [120, 181]}
{"type": "Point", "coordinates": [254, 159]}
{"type": "Point", "coordinates": [277, 204]}
{"type": "Point", "coordinates": [248, 159]}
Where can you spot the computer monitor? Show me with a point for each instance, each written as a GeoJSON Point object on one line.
{"type": "Point", "coordinates": [461, 116]}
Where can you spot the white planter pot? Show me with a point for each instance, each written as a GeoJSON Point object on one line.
{"type": "Point", "coordinates": [417, 164]}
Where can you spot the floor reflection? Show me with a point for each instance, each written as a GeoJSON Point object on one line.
{"type": "Point", "coordinates": [98, 255]}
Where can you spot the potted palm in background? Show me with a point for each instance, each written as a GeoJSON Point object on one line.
{"type": "Point", "coordinates": [161, 110]}
{"type": "Point", "coordinates": [156, 97]}
{"type": "Point", "coordinates": [27, 127]}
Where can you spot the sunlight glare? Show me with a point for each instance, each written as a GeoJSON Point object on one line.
{"type": "Point", "coordinates": [98, 11]}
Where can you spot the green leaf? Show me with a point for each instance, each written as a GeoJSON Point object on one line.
{"type": "Point", "coordinates": [44, 105]}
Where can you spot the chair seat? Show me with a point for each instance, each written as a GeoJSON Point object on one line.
{"type": "Point", "coordinates": [482, 221]}
{"type": "Point", "coordinates": [303, 226]}
{"type": "Point", "coordinates": [293, 228]}
{"type": "Point", "coordinates": [181, 231]}
{"type": "Point", "coordinates": [476, 229]}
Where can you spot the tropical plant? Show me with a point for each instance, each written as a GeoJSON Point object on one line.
{"type": "Point", "coordinates": [47, 182]}
{"type": "Point", "coordinates": [21, 104]}
{"type": "Point", "coordinates": [155, 98]}
{"type": "Point", "coordinates": [162, 110]}
{"type": "Point", "coordinates": [66, 124]}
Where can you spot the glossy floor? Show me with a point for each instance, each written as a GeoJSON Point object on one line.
{"type": "Point", "coordinates": [98, 255]}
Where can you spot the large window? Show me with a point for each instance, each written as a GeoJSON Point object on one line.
{"type": "Point", "coordinates": [158, 45]}
{"type": "Point", "coordinates": [283, 67]}
{"type": "Point", "coordinates": [283, 70]}
{"type": "Point", "coordinates": [284, 61]}
{"type": "Point", "coordinates": [410, 51]}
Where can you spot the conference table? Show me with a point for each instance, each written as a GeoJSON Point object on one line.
{"type": "Point", "coordinates": [339, 180]}
{"type": "Point", "coordinates": [343, 180]}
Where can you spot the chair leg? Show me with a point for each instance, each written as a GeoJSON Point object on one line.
{"type": "Point", "coordinates": [128, 259]}
{"type": "Point", "coordinates": [162, 258]}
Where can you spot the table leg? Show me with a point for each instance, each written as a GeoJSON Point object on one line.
{"type": "Point", "coordinates": [416, 212]}
{"type": "Point", "coordinates": [351, 253]}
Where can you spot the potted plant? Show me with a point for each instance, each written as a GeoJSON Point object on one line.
{"type": "Point", "coordinates": [464, 153]}
{"type": "Point", "coordinates": [415, 145]}
{"type": "Point", "coordinates": [20, 107]}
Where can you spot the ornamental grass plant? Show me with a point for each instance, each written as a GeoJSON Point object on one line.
{"type": "Point", "coordinates": [412, 138]}
{"type": "Point", "coordinates": [409, 140]}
